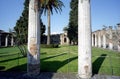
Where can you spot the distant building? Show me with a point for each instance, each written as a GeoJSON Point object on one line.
{"type": "Point", "coordinates": [6, 39]}
{"type": "Point", "coordinates": [64, 40]}
{"type": "Point", "coordinates": [61, 39]}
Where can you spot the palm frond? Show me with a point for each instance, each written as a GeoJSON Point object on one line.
{"type": "Point", "coordinates": [52, 4]}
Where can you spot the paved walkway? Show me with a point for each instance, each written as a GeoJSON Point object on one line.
{"type": "Point", "coordinates": [49, 75]}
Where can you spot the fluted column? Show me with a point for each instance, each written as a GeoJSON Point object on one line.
{"type": "Point", "coordinates": [84, 40]}
{"type": "Point", "coordinates": [33, 55]}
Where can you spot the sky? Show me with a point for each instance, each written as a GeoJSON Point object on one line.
{"type": "Point", "coordinates": [103, 12]}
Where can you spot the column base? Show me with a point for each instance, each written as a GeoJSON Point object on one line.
{"type": "Point", "coordinates": [33, 69]}
{"type": "Point", "coordinates": [82, 77]}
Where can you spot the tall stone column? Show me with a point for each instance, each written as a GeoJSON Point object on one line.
{"type": "Point", "coordinates": [96, 40]}
{"type": "Point", "coordinates": [84, 40]}
{"type": "Point", "coordinates": [33, 55]}
{"type": "Point", "coordinates": [99, 41]}
{"type": "Point", "coordinates": [104, 41]}
{"type": "Point", "coordinates": [92, 40]}
{"type": "Point", "coordinates": [110, 38]}
{"type": "Point", "coordinates": [12, 41]}
{"type": "Point", "coordinates": [110, 45]}
{"type": "Point", "coordinates": [6, 41]}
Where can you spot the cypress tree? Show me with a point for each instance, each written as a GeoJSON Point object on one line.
{"type": "Point", "coordinates": [21, 27]}
{"type": "Point", "coordinates": [73, 22]}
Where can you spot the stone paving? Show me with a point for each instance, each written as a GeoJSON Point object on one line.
{"type": "Point", "coordinates": [49, 75]}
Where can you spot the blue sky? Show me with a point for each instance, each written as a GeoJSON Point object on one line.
{"type": "Point", "coordinates": [103, 12]}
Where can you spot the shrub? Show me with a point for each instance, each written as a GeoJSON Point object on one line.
{"type": "Point", "coordinates": [50, 46]}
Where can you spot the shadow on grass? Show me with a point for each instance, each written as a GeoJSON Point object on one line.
{"type": "Point", "coordinates": [43, 53]}
{"type": "Point", "coordinates": [53, 66]}
{"type": "Point", "coordinates": [97, 64]}
{"type": "Point", "coordinates": [2, 68]}
{"type": "Point", "coordinates": [46, 66]}
{"type": "Point", "coordinates": [19, 68]}
{"type": "Point", "coordinates": [53, 56]}
{"type": "Point", "coordinates": [9, 55]}
{"type": "Point", "coordinates": [11, 59]}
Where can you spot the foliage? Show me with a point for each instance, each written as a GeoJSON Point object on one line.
{"type": "Point", "coordinates": [52, 4]}
{"type": "Point", "coordinates": [73, 21]}
{"type": "Point", "coordinates": [21, 27]}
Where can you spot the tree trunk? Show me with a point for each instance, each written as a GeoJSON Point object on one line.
{"type": "Point", "coordinates": [33, 55]}
{"type": "Point", "coordinates": [84, 40]}
{"type": "Point", "coordinates": [48, 36]}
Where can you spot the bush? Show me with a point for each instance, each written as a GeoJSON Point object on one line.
{"type": "Point", "coordinates": [50, 46]}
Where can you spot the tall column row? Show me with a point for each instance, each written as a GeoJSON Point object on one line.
{"type": "Point", "coordinates": [100, 39]}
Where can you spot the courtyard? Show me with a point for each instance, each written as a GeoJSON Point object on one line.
{"type": "Point", "coordinates": [61, 60]}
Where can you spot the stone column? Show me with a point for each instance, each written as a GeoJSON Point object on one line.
{"type": "Point", "coordinates": [110, 38]}
{"type": "Point", "coordinates": [33, 55]}
{"type": "Point", "coordinates": [99, 41]}
{"type": "Point", "coordinates": [96, 40]}
{"type": "Point", "coordinates": [104, 41]}
{"type": "Point", "coordinates": [92, 40]}
{"type": "Point", "coordinates": [110, 45]}
{"type": "Point", "coordinates": [6, 41]}
{"type": "Point", "coordinates": [12, 41]}
{"type": "Point", "coordinates": [84, 40]}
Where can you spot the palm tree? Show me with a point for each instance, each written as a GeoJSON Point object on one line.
{"type": "Point", "coordinates": [84, 40]}
{"type": "Point", "coordinates": [48, 8]}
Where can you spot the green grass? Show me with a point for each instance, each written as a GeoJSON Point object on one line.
{"type": "Point", "coordinates": [62, 59]}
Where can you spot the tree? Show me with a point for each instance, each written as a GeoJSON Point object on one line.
{"type": "Point", "coordinates": [73, 22]}
{"type": "Point", "coordinates": [84, 40]}
{"type": "Point", "coordinates": [48, 8]}
{"type": "Point", "coordinates": [21, 29]}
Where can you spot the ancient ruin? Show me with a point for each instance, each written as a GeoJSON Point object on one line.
{"type": "Point", "coordinates": [107, 38]}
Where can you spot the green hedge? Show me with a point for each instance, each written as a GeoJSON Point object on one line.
{"type": "Point", "coordinates": [50, 46]}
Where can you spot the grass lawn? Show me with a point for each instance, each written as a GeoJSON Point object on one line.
{"type": "Point", "coordinates": [62, 59]}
